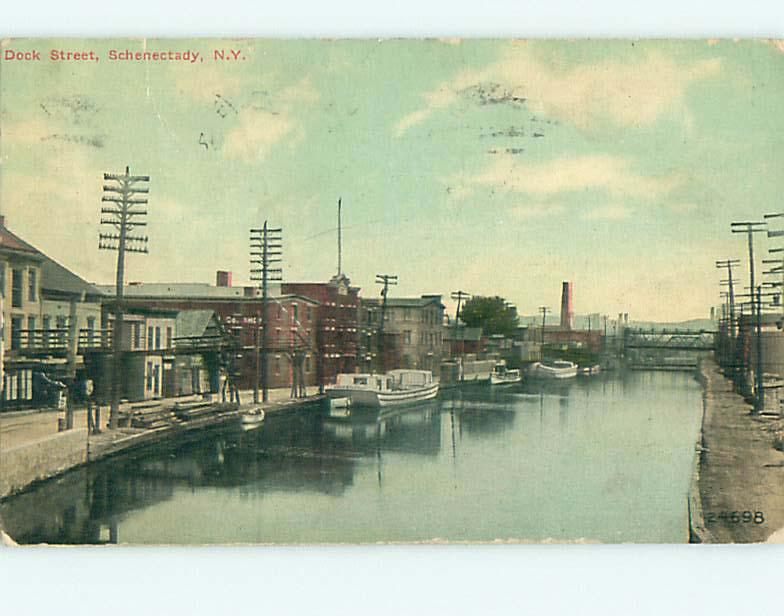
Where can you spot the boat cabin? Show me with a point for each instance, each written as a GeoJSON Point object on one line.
{"type": "Point", "coordinates": [411, 379]}
{"type": "Point", "coordinates": [393, 380]}
{"type": "Point", "coordinates": [378, 382]}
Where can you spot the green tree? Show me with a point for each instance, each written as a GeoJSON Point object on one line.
{"type": "Point", "coordinates": [493, 314]}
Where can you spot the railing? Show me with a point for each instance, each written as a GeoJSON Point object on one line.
{"type": "Point", "coordinates": [56, 341]}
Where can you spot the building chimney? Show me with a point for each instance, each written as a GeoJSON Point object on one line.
{"type": "Point", "coordinates": [222, 279]}
{"type": "Point", "coordinates": [567, 309]}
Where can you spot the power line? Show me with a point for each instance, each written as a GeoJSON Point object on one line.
{"type": "Point", "coordinates": [544, 310]}
{"type": "Point", "coordinates": [750, 228]}
{"type": "Point", "coordinates": [386, 280]}
{"type": "Point", "coordinates": [125, 213]}
{"type": "Point", "coordinates": [266, 249]}
{"type": "Point", "coordinates": [460, 296]}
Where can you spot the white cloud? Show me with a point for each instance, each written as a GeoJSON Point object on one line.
{"type": "Point", "coordinates": [258, 130]}
{"type": "Point", "coordinates": [255, 134]}
{"type": "Point", "coordinates": [590, 96]}
{"type": "Point", "coordinates": [531, 211]}
{"type": "Point", "coordinates": [435, 100]}
{"type": "Point", "coordinates": [612, 211]}
{"type": "Point", "coordinates": [612, 174]}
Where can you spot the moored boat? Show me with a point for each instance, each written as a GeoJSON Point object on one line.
{"type": "Point", "coordinates": [396, 387]}
{"type": "Point", "coordinates": [558, 369]}
{"type": "Point", "coordinates": [501, 375]}
{"type": "Point", "coordinates": [590, 370]}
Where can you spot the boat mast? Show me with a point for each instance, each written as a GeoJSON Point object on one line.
{"type": "Point", "coordinates": [340, 238]}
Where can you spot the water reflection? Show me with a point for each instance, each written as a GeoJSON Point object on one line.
{"type": "Point", "coordinates": [408, 474]}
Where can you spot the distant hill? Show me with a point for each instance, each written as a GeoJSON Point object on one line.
{"type": "Point", "coordinates": [582, 322]}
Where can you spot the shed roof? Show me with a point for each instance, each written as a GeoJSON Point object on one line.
{"type": "Point", "coordinates": [192, 323]}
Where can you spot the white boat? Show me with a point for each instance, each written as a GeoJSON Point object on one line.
{"type": "Point", "coordinates": [558, 369]}
{"type": "Point", "coordinates": [253, 418]}
{"type": "Point", "coordinates": [380, 390]}
{"type": "Point", "coordinates": [501, 375]}
{"type": "Point", "coordinates": [590, 370]}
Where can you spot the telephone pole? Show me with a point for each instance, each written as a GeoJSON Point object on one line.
{"type": "Point", "coordinates": [750, 228]}
{"type": "Point", "coordinates": [779, 263]}
{"type": "Point", "coordinates": [460, 296]}
{"type": "Point", "coordinates": [266, 248]}
{"type": "Point", "coordinates": [386, 280]}
{"type": "Point", "coordinates": [755, 296]}
{"type": "Point", "coordinates": [544, 310]}
{"type": "Point", "coordinates": [125, 212]}
{"type": "Point", "coordinates": [728, 264]}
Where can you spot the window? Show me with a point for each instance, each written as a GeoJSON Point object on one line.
{"type": "Point", "coordinates": [16, 288]}
{"type": "Point", "coordinates": [137, 336]}
{"type": "Point", "coordinates": [47, 327]}
{"type": "Point", "coordinates": [169, 337]}
{"type": "Point", "coordinates": [149, 376]}
{"type": "Point", "coordinates": [307, 363]}
{"type": "Point", "coordinates": [2, 279]}
{"type": "Point", "coordinates": [407, 314]}
{"type": "Point", "coordinates": [296, 312]}
{"type": "Point", "coordinates": [32, 285]}
{"type": "Point", "coordinates": [157, 337]}
{"type": "Point", "coordinates": [149, 337]}
{"type": "Point", "coordinates": [407, 336]}
{"type": "Point", "coordinates": [16, 333]}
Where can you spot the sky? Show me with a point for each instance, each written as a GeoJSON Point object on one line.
{"type": "Point", "coordinates": [496, 167]}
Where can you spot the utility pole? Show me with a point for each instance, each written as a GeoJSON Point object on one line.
{"type": "Point", "coordinates": [460, 296]}
{"type": "Point", "coordinates": [544, 310]}
{"type": "Point", "coordinates": [728, 264]}
{"type": "Point", "coordinates": [125, 212]}
{"type": "Point", "coordinates": [266, 248]}
{"type": "Point", "coordinates": [750, 228]}
{"type": "Point", "coordinates": [776, 270]}
{"type": "Point", "coordinates": [386, 280]}
{"type": "Point", "coordinates": [755, 296]}
{"type": "Point", "coordinates": [760, 398]}
{"type": "Point", "coordinates": [779, 269]}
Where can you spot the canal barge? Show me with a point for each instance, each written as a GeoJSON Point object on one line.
{"type": "Point", "coordinates": [396, 387]}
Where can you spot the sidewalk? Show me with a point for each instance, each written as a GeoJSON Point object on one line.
{"type": "Point", "coordinates": [739, 469]}
{"type": "Point", "coordinates": [20, 428]}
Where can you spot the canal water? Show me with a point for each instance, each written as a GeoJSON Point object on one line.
{"type": "Point", "coordinates": [604, 458]}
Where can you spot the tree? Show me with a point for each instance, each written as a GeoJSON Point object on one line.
{"type": "Point", "coordinates": [493, 314]}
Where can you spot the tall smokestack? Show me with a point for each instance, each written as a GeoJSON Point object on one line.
{"type": "Point", "coordinates": [567, 309]}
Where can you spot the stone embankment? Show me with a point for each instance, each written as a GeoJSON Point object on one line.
{"type": "Point", "coordinates": [27, 457]}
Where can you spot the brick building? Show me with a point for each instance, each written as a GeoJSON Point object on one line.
{"type": "Point", "coordinates": [414, 326]}
{"type": "Point", "coordinates": [292, 321]}
{"type": "Point", "coordinates": [336, 323]}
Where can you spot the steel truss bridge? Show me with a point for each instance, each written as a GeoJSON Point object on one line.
{"type": "Point", "coordinates": [669, 340]}
{"type": "Point", "coordinates": [666, 349]}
